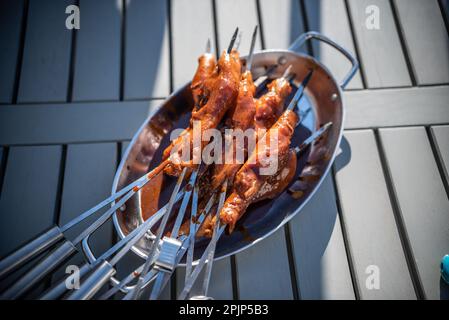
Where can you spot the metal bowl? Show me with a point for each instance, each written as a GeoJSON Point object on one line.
{"type": "Point", "coordinates": [323, 97]}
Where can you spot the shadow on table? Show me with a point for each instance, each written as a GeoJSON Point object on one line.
{"type": "Point", "coordinates": [322, 267]}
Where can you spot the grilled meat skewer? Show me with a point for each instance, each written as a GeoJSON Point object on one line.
{"type": "Point", "coordinates": [248, 181]}
{"type": "Point", "coordinates": [258, 114]}
{"type": "Point", "coordinates": [222, 97]}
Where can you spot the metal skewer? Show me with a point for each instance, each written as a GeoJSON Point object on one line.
{"type": "Point", "coordinates": [317, 134]}
{"type": "Point", "coordinates": [173, 243]}
{"type": "Point", "coordinates": [238, 41]}
{"type": "Point", "coordinates": [249, 62]}
{"type": "Point", "coordinates": [208, 46]}
{"type": "Point", "coordinates": [150, 275]}
{"type": "Point", "coordinates": [136, 291]}
{"type": "Point", "coordinates": [59, 289]}
{"type": "Point", "coordinates": [215, 237]}
{"type": "Point", "coordinates": [231, 44]}
{"type": "Point", "coordinates": [63, 252]}
{"type": "Point", "coordinates": [300, 92]}
{"type": "Point", "coordinates": [86, 292]}
{"type": "Point", "coordinates": [56, 233]}
{"type": "Point", "coordinates": [192, 232]}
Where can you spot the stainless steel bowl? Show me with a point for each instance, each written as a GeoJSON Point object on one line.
{"type": "Point", "coordinates": [323, 96]}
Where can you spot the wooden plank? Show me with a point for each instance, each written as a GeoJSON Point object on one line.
{"type": "Point", "coordinates": [11, 20]}
{"type": "Point", "coordinates": [236, 13]}
{"type": "Point", "coordinates": [68, 123]}
{"type": "Point", "coordinates": [97, 57]}
{"type": "Point", "coordinates": [89, 171]}
{"type": "Point", "coordinates": [440, 135]}
{"type": "Point", "coordinates": [189, 36]}
{"type": "Point", "coordinates": [88, 176]}
{"type": "Point", "coordinates": [147, 55]}
{"type": "Point", "coordinates": [27, 202]}
{"type": "Point", "coordinates": [46, 57]}
{"type": "Point", "coordinates": [263, 270]}
{"type": "Point", "coordinates": [330, 18]}
{"type": "Point", "coordinates": [319, 251]}
{"type": "Point", "coordinates": [281, 22]}
{"type": "Point", "coordinates": [381, 55]}
{"type": "Point", "coordinates": [3, 160]}
{"type": "Point", "coordinates": [220, 287]}
{"type": "Point", "coordinates": [422, 199]}
{"type": "Point", "coordinates": [426, 39]}
{"type": "Point", "coordinates": [397, 107]}
{"type": "Point", "coordinates": [1, 157]}
{"type": "Point", "coordinates": [115, 121]}
{"type": "Point", "coordinates": [372, 235]}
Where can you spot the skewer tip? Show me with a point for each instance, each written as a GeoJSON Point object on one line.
{"type": "Point", "coordinates": [251, 50]}
{"type": "Point", "coordinates": [314, 137]}
{"type": "Point", "coordinates": [238, 41]}
{"type": "Point", "coordinates": [231, 44]}
{"type": "Point", "coordinates": [287, 72]}
{"type": "Point", "coordinates": [307, 79]}
{"type": "Point", "coordinates": [254, 36]}
{"type": "Point", "coordinates": [208, 46]}
{"type": "Point", "coordinates": [299, 93]}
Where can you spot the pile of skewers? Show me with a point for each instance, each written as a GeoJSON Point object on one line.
{"type": "Point", "coordinates": [224, 95]}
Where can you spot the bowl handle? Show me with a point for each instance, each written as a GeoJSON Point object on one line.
{"type": "Point", "coordinates": [318, 36]}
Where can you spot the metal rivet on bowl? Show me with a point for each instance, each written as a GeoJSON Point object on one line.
{"type": "Point", "coordinates": [282, 60]}
{"type": "Point", "coordinates": [334, 97]}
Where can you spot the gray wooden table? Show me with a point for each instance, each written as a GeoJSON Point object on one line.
{"type": "Point", "coordinates": [72, 99]}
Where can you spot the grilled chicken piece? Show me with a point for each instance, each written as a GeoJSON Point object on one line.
{"type": "Point", "coordinates": [201, 86]}
{"type": "Point", "coordinates": [203, 79]}
{"type": "Point", "coordinates": [258, 114]}
{"type": "Point", "coordinates": [271, 188]}
{"type": "Point", "coordinates": [249, 181]}
{"type": "Point", "coordinates": [222, 97]}
{"type": "Point", "coordinates": [269, 107]}
{"type": "Point", "coordinates": [242, 117]}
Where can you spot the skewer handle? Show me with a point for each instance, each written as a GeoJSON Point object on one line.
{"type": "Point", "coordinates": [30, 250]}
{"type": "Point", "coordinates": [94, 282]}
{"type": "Point", "coordinates": [50, 262]}
{"type": "Point", "coordinates": [58, 290]}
